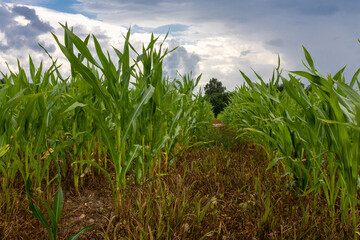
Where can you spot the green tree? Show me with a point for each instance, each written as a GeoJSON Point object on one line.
{"type": "Point", "coordinates": [216, 94]}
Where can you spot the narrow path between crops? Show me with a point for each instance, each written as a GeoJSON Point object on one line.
{"type": "Point", "coordinates": [217, 191]}
{"type": "Point", "coordinates": [217, 123]}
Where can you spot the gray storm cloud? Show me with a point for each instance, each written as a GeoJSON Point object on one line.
{"type": "Point", "coordinates": [252, 32]}
{"type": "Point", "coordinates": [275, 42]}
{"type": "Point", "coordinates": [17, 35]}
{"type": "Point", "coordinates": [180, 60]}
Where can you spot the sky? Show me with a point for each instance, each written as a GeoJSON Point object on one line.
{"type": "Point", "coordinates": [214, 38]}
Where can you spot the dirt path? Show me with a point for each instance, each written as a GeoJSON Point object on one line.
{"type": "Point", "coordinates": [217, 123]}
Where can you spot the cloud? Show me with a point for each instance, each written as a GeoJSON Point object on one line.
{"type": "Point", "coordinates": [31, 16]}
{"type": "Point", "coordinates": [216, 38]}
{"type": "Point", "coordinates": [59, 5]}
{"type": "Point", "coordinates": [246, 52]}
{"type": "Point", "coordinates": [320, 10]}
{"type": "Point", "coordinates": [308, 7]}
{"type": "Point", "coordinates": [172, 29]}
{"type": "Point", "coordinates": [21, 27]}
{"type": "Point", "coordinates": [180, 60]}
{"type": "Point", "coordinates": [19, 40]}
{"type": "Point", "coordinates": [275, 42]}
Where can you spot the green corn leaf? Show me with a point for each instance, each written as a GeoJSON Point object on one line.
{"type": "Point", "coordinates": [20, 97]}
{"type": "Point", "coordinates": [297, 92]}
{"type": "Point", "coordinates": [354, 127]}
{"type": "Point", "coordinates": [354, 78]}
{"type": "Point", "coordinates": [4, 149]}
{"type": "Point", "coordinates": [101, 169]}
{"type": "Point", "coordinates": [137, 110]}
{"type": "Point", "coordinates": [309, 59]}
{"type": "Point", "coordinates": [87, 74]}
{"type": "Point", "coordinates": [58, 205]}
{"type": "Point", "coordinates": [317, 80]}
{"type": "Point", "coordinates": [72, 107]}
{"type": "Point", "coordinates": [339, 74]}
{"type": "Point", "coordinates": [40, 135]}
{"type": "Point", "coordinates": [69, 106]}
{"type": "Point", "coordinates": [313, 78]}
{"type": "Point", "coordinates": [274, 162]}
{"type": "Point", "coordinates": [36, 211]}
{"type": "Point", "coordinates": [51, 216]}
{"type": "Point", "coordinates": [263, 92]}
{"type": "Point", "coordinates": [252, 130]}
{"type": "Point", "coordinates": [160, 145]}
{"type": "Point", "coordinates": [99, 120]}
{"type": "Point", "coordinates": [175, 120]}
{"type": "Point", "coordinates": [80, 45]}
{"type": "Point", "coordinates": [102, 57]}
{"type": "Point", "coordinates": [125, 56]}
{"type": "Point", "coordinates": [82, 230]}
{"type": "Point", "coordinates": [258, 76]}
{"type": "Point", "coordinates": [350, 93]}
{"type": "Point", "coordinates": [118, 53]}
{"type": "Point", "coordinates": [32, 70]}
{"type": "Point", "coordinates": [134, 153]}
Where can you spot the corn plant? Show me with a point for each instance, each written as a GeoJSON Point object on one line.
{"type": "Point", "coordinates": [340, 111]}
{"type": "Point", "coordinates": [314, 132]}
{"type": "Point", "coordinates": [54, 212]}
{"type": "Point", "coordinates": [122, 115]}
{"type": "Point", "coordinates": [138, 121]}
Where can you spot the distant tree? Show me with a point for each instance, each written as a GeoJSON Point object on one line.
{"type": "Point", "coordinates": [216, 95]}
{"type": "Point", "coordinates": [281, 87]}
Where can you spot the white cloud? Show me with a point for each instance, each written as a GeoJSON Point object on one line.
{"type": "Point", "coordinates": [3, 40]}
{"type": "Point", "coordinates": [217, 38]}
{"type": "Point", "coordinates": [22, 21]}
{"type": "Point", "coordinates": [108, 35]}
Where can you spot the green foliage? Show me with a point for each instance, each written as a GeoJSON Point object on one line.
{"type": "Point", "coordinates": [121, 110]}
{"type": "Point", "coordinates": [54, 212]}
{"type": "Point", "coordinates": [313, 132]}
{"type": "Point", "coordinates": [216, 95]}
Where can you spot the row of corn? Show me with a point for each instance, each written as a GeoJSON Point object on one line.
{"type": "Point", "coordinates": [121, 118]}
{"type": "Point", "coordinates": [314, 132]}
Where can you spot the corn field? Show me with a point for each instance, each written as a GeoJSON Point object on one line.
{"type": "Point", "coordinates": [121, 114]}
{"type": "Point", "coordinates": [314, 133]}
{"type": "Point", "coordinates": [124, 120]}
